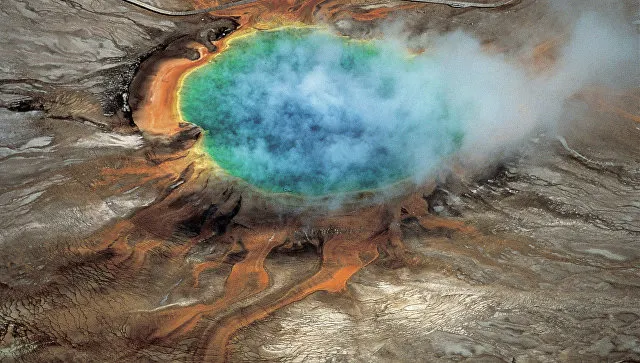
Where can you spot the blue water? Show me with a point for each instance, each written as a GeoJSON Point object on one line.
{"type": "Point", "coordinates": [307, 112]}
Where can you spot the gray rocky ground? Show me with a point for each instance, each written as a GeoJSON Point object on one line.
{"type": "Point", "coordinates": [552, 274]}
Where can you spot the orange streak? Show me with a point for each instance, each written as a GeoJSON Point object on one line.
{"type": "Point", "coordinates": [608, 100]}
{"type": "Point", "coordinates": [618, 111]}
{"type": "Point", "coordinates": [140, 251]}
{"type": "Point", "coordinates": [416, 206]}
{"type": "Point", "coordinates": [381, 12]}
{"type": "Point", "coordinates": [341, 259]}
{"type": "Point", "coordinates": [248, 277]}
{"type": "Point", "coordinates": [200, 268]}
{"type": "Point", "coordinates": [158, 112]}
{"type": "Point", "coordinates": [116, 241]}
{"type": "Point", "coordinates": [110, 239]}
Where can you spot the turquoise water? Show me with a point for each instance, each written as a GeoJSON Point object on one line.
{"type": "Point", "coordinates": [308, 112]}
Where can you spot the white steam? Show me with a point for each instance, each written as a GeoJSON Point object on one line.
{"type": "Point", "coordinates": [295, 116]}
{"type": "Point", "coordinates": [503, 102]}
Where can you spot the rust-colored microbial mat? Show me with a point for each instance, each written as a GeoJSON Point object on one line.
{"type": "Point", "coordinates": [167, 194]}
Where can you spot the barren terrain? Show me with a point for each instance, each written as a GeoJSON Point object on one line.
{"type": "Point", "coordinates": [120, 241]}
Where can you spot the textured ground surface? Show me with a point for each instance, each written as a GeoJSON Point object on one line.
{"type": "Point", "coordinates": [116, 245]}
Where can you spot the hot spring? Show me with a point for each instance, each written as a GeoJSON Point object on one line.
{"type": "Point", "coordinates": [304, 111]}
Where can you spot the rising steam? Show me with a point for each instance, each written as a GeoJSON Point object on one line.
{"type": "Point", "coordinates": [313, 113]}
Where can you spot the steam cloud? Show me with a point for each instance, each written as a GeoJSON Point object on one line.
{"type": "Point", "coordinates": [309, 114]}
{"type": "Point", "coordinates": [505, 102]}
